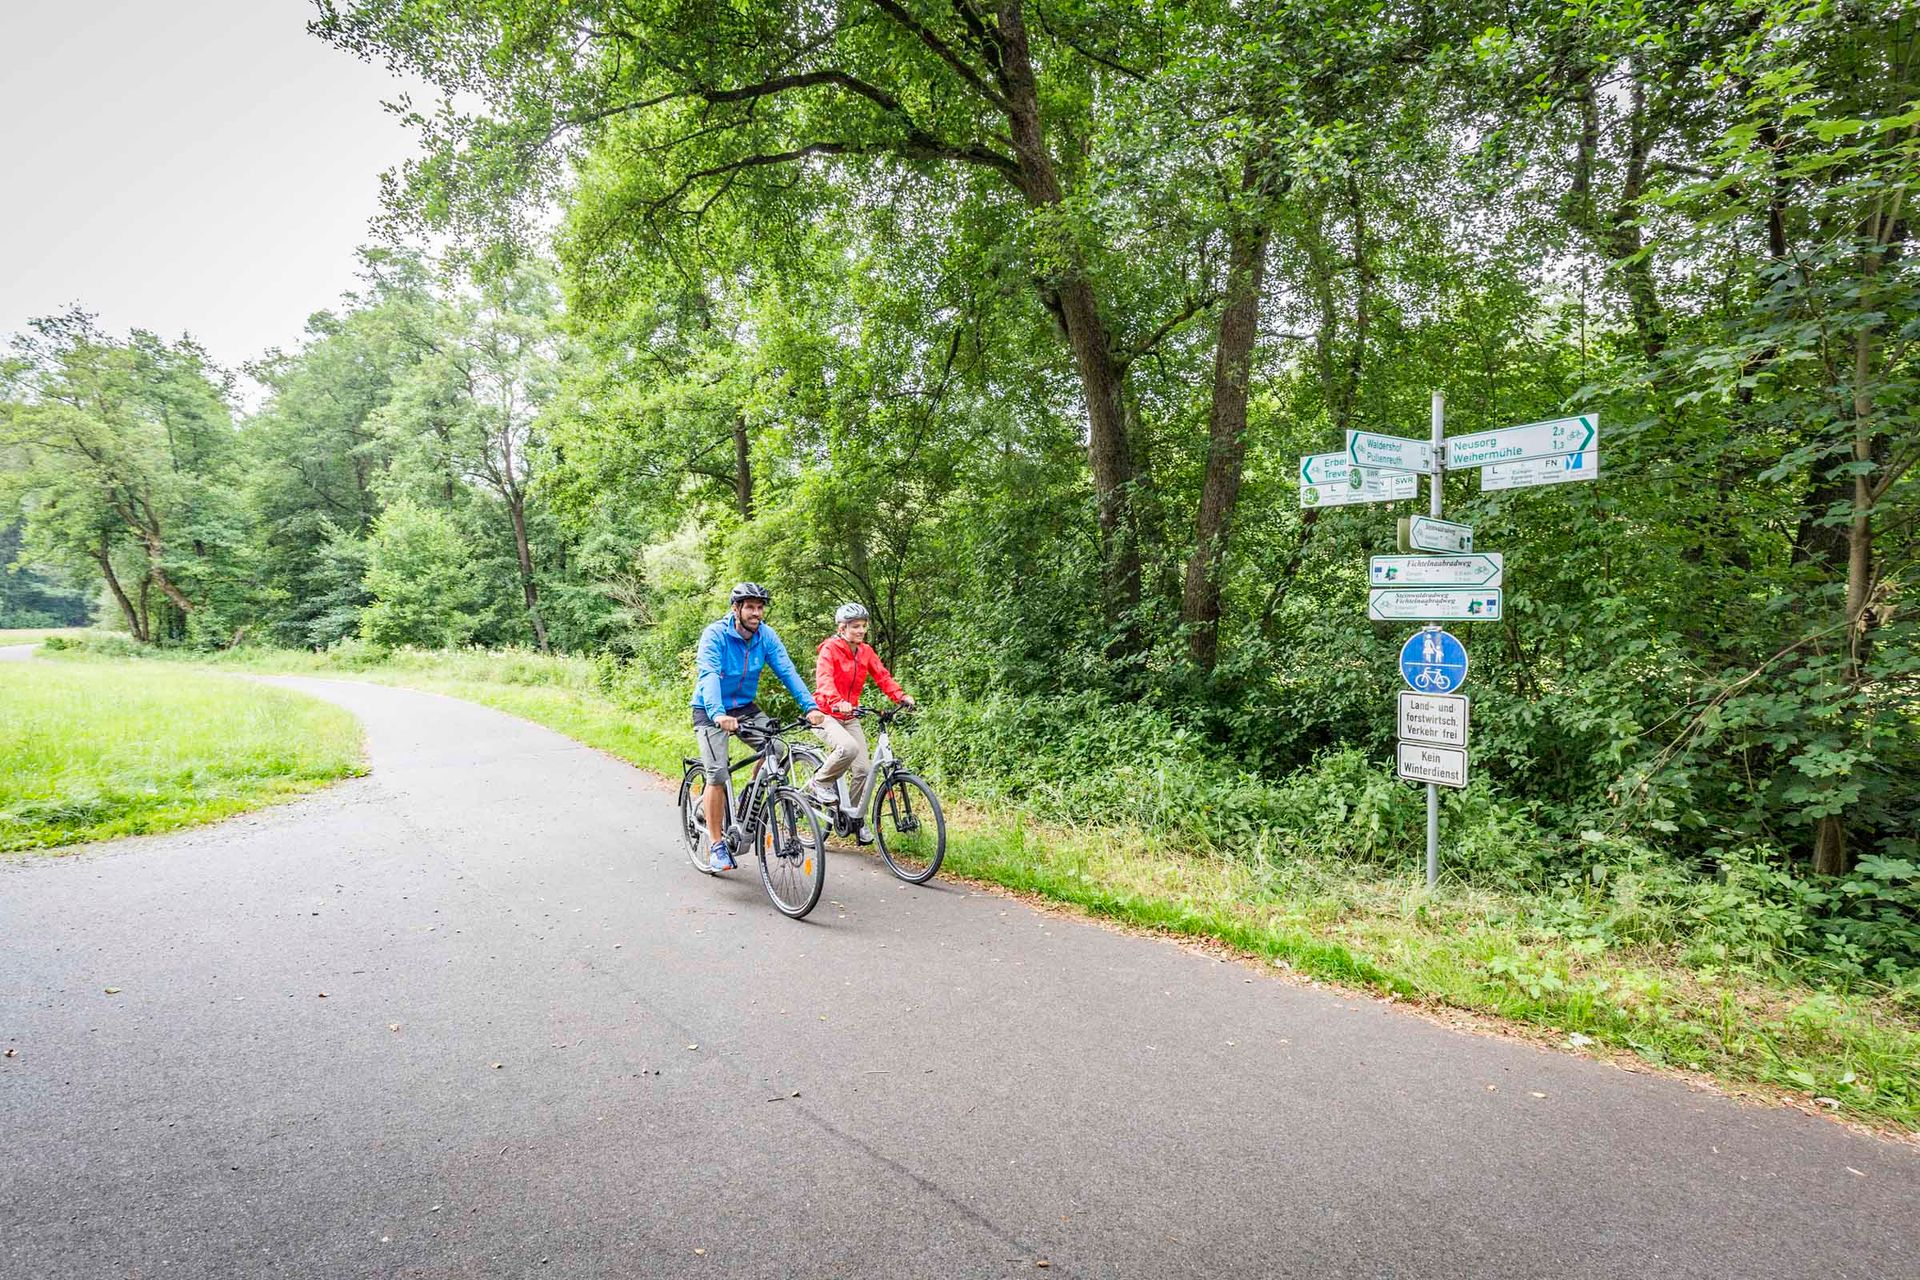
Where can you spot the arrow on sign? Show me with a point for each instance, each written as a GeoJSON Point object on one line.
{"type": "Point", "coordinates": [1481, 569]}
{"type": "Point", "coordinates": [1518, 444]}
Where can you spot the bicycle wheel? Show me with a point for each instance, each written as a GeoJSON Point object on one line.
{"type": "Point", "coordinates": [806, 762]}
{"type": "Point", "coordinates": [910, 827]}
{"type": "Point", "coordinates": [792, 849]}
{"type": "Point", "coordinates": [693, 818]}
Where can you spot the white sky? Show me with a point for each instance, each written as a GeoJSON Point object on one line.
{"type": "Point", "coordinates": [200, 166]}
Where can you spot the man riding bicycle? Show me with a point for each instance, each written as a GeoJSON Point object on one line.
{"type": "Point", "coordinates": [726, 679]}
{"type": "Point", "coordinates": [842, 665]}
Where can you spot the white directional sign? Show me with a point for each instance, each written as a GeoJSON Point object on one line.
{"type": "Point", "coordinates": [1524, 475]}
{"type": "Point", "coordinates": [1517, 444]}
{"type": "Point", "coordinates": [1446, 766]}
{"type": "Point", "coordinates": [1434, 604]}
{"type": "Point", "coordinates": [1480, 569]}
{"type": "Point", "coordinates": [1389, 453]}
{"type": "Point", "coordinates": [1436, 719]}
{"type": "Point", "coordinates": [1424, 533]}
{"type": "Point", "coordinates": [1329, 480]}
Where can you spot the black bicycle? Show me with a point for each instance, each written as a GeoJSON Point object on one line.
{"type": "Point", "coordinates": [769, 816]}
{"type": "Point", "coordinates": [899, 806]}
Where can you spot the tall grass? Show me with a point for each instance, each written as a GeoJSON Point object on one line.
{"type": "Point", "coordinates": [89, 751]}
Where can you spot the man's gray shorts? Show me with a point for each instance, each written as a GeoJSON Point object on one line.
{"type": "Point", "coordinates": [713, 739]}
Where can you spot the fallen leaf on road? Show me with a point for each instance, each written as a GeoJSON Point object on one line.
{"type": "Point", "coordinates": [113, 991]}
{"type": "Point", "coordinates": [692, 1047]}
{"type": "Point", "coordinates": [323, 995]}
{"type": "Point", "coordinates": [1849, 1168]}
{"type": "Point", "coordinates": [1042, 1263]}
{"type": "Point", "coordinates": [12, 1052]}
{"type": "Point", "coordinates": [498, 1065]}
{"type": "Point", "coordinates": [701, 1252]}
{"type": "Point", "coordinates": [393, 1026]}
{"type": "Point", "coordinates": [1492, 1088]}
{"type": "Point", "coordinates": [1539, 1095]}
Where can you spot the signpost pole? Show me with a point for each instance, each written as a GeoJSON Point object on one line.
{"type": "Point", "coordinates": [1433, 509]}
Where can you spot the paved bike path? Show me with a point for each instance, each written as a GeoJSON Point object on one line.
{"type": "Point", "coordinates": [926, 1081]}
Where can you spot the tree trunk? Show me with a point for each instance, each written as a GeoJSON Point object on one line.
{"type": "Point", "coordinates": [1226, 443]}
{"type": "Point", "coordinates": [1077, 307]}
{"type": "Point", "coordinates": [135, 625]}
{"type": "Point", "coordinates": [742, 467]}
{"type": "Point", "coordinates": [516, 506]}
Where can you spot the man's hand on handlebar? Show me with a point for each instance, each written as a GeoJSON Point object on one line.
{"type": "Point", "coordinates": [816, 716]}
{"type": "Point", "coordinates": [730, 723]}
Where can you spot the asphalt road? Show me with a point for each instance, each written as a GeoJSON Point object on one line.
{"type": "Point", "coordinates": [16, 652]}
{"type": "Point", "coordinates": [474, 1015]}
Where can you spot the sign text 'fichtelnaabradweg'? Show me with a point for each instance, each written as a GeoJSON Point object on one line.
{"type": "Point", "coordinates": [1439, 576]}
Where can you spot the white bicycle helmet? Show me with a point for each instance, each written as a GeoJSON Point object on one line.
{"type": "Point", "coordinates": [850, 612]}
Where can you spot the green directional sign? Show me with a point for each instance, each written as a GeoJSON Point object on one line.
{"type": "Point", "coordinates": [1330, 480]}
{"type": "Point", "coordinates": [1424, 533]}
{"type": "Point", "coordinates": [1548, 439]}
{"type": "Point", "coordinates": [1477, 569]}
{"type": "Point", "coordinates": [1435, 604]}
{"type": "Point", "coordinates": [1389, 453]}
{"type": "Point", "coordinates": [1537, 471]}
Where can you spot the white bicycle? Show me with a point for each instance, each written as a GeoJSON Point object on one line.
{"type": "Point", "coordinates": [900, 806]}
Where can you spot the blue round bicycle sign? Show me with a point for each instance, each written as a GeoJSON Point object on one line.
{"type": "Point", "coordinates": [1432, 661]}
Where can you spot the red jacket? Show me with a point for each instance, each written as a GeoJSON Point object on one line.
{"type": "Point", "coordinates": [840, 674]}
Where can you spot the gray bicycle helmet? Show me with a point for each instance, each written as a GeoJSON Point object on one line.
{"type": "Point", "coordinates": [749, 591]}
{"type": "Point", "coordinates": [850, 612]}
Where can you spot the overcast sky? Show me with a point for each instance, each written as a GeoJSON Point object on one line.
{"type": "Point", "coordinates": [200, 166]}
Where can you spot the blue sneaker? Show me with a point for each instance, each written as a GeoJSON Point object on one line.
{"type": "Point", "coordinates": [720, 858]}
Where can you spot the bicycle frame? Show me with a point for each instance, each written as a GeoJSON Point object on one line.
{"type": "Point", "coordinates": [881, 763]}
{"type": "Point", "coordinates": [745, 810]}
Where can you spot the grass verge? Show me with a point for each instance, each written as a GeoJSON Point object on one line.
{"type": "Point", "coordinates": [93, 750]}
{"type": "Point", "coordinates": [1855, 1054]}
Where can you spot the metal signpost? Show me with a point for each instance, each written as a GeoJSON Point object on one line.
{"type": "Point", "coordinates": [1451, 582]}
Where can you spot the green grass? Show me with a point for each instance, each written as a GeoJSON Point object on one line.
{"type": "Point", "coordinates": [100, 749]}
{"type": "Point", "coordinates": [1464, 949]}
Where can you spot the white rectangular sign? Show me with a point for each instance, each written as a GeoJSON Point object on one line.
{"type": "Point", "coordinates": [1389, 453]}
{"type": "Point", "coordinates": [1424, 533]}
{"type": "Point", "coordinates": [1437, 719]}
{"type": "Point", "coordinates": [1524, 475]}
{"type": "Point", "coordinates": [1446, 766]}
{"type": "Point", "coordinates": [1435, 604]}
{"type": "Point", "coordinates": [1479, 569]}
{"type": "Point", "coordinates": [1517, 444]}
{"type": "Point", "coordinates": [1326, 480]}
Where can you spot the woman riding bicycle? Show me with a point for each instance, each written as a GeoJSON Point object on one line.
{"type": "Point", "coordinates": [842, 665]}
{"type": "Point", "coordinates": [727, 677]}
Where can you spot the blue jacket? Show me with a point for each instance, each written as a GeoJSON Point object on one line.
{"type": "Point", "coordinates": [727, 671]}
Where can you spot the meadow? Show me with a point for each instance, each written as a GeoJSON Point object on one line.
{"type": "Point", "coordinates": [90, 751]}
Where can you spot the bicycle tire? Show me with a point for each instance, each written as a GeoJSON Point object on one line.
{"type": "Point", "coordinates": [693, 827]}
{"type": "Point", "coordinates": [909, 827]}
{"type": "Point", "coordinates": [792, 850]}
